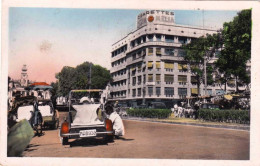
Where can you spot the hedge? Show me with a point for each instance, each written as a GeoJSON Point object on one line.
{"type": "Point", "coordinates": [234, 116]}
{"type": "Point", "coordinates": [149, 113]}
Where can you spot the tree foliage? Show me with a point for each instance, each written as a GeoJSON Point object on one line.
{"type": "Point", "coordinates": [236, 53]}
{"type": "Point", "coordinates": [199, 50]}
{"type": "Point", "coordinates": [79, 78]}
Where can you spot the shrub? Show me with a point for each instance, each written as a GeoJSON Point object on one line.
{"type": "Point", "coordinates": [238, 116]}
{"type": "Point", "coordinates": [149, 113]}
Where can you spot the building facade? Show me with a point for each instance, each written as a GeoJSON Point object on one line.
{"type": "Point", "coordinates": [148, 64]}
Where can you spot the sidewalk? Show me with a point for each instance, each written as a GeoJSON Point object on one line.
{"type": "Point", "coordinates": [193, 122]}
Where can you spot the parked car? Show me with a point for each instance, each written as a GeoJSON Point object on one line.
{"type": "Point", "coordinates": [157, 105]}
{"type": "Point", "coordinates": [26, 108]}
{"type": "Point", "coordinates": [209, 106]}
{"type": "Point", "coordinates": [85, 120]}
{"type": "Point", "coordinates": [49, 114]}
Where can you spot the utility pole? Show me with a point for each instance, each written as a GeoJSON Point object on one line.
{"type": "Point", "coordinates": [89, 87]}
{"type": "Point", "coordinates": [205, 75]}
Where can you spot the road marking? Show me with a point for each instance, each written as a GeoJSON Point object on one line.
{"type": "Point", "coordinates": [169, 123]}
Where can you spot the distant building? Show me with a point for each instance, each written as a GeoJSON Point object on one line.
{"type": "Point", "coordinates": [24, 77]}
{"type": "Point", "coordinates": [148, 63]}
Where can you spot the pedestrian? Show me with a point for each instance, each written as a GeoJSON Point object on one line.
{"type": "Point", "coordinates": [117, 122]}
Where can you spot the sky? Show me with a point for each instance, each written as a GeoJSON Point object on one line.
{"type": "Point", "coordinates": [46, 39]}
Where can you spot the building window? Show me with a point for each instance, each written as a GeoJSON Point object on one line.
{"type": "Point", "coordinates": [220, 92]}
{"type": "Point", "coordinates": [168, 79]}
{"type": "Point", "coordinates": [134, 80]}
{"type": "Point", "coordinates": [169, 91]}
{"type": "Point", "coordinates": [139, 92]}
{"type": "Point", "coordinates": [182, 40]}
{"type": "Point", "coordinates": [143, 52]}
{"type": "Point", "coordinates": [169, 39]}
{"type": "Point", "coordinates": [182, 92]}
{"type": "Point", "coordinates": [158, 37]}
{"type": "Point", "coordinates": [158, 64]}
{"type": "Point", "coordinates": [150, 51]}
{"type": "Point", "coordinates": [150, 91]}
{"type": "Point", "coordinates": [144, 78]}
{"type": "Point", "coordinates": [231, 83]}
{"type": "Point", "coordinates": [134, 92]}
{"type": "Point", "coordinates": [134, 56]}
{"type": "Point", "coordinates": [168, 66]}
{"type": "Point", "coordinates": [158, 51]}
{"type": "Point", "coordinates": [158, 91]}
{"type": "Point", "coordinates": [209, 91]}
{"type": "Point", "coordinates": [158, 78]}
{"type": "Point", "coordinates": [133, 69]}
{"type": "Point", "coordinates": [181, 53]}
{"type": "Point", "coordinates": [194, 91]}
{"type": "Point", "coordinates": [150, 37]}
{"type": "Point", "coordinates": [150, 77]}
{"type": "Point", "coordinates": [150, 64]}
{"type": "Point", "coordinates": [144, 39]}
{"type": "Point", "coordinates": [182, 67]}
{"type": "Point", "coordinates": [193, 80]}
{"type": "Point", "coordinates": [139, 80]}
{"type": "Point", "coordinates": [182, 79]}
{"type": "Point", "coordinates": [169, 51]}
{"type": "Point", "coordinates": [139, 68]}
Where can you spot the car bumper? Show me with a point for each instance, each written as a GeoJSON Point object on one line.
{"type": "Point", "coordinates": [75, 131]}
{"type": "Point", "coordinates": [77, 135]}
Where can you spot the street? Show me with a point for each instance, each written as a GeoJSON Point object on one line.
{"type": "Point", "coordinates": [150, 140]}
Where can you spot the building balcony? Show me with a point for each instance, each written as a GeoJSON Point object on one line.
{"type": "Point", "coordinates": [130, 61]}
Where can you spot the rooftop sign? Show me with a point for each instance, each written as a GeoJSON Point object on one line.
{"type": "Point", "coordinates": [155, 17]}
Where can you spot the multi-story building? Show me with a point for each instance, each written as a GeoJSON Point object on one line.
{"type": "Point", "coordinates": [148, 63]}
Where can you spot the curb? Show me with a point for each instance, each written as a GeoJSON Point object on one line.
{"type": "Point", "coordinates": [246, 128]}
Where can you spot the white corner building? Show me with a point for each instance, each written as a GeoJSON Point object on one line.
{"type": "Point", "coordinates": [148, 64]}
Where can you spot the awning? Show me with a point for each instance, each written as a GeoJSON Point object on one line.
{"type": "Point", "coordinates": [168, 65]}
{"type": "Point", "coordinates": [194, 90]}
{"type": "Point", "coordinates": [150, 64]}
{"type": "Point", "coordinates": [158, 65]}
{"type": "Point", "coordinates": [182, 66]}
{"type": "Point", "coordinates": [228, 97]}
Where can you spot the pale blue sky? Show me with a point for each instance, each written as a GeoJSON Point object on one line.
{"type": "Point", "coordinates": [46, 39]}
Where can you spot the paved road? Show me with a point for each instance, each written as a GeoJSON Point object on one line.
{"type": "Point", "coordinates": [150, 140]}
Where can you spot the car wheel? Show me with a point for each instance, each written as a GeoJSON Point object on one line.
{"type": "Point", "coordinates": [109, 138]}
{"type": "Point", "coordinates": [65, 140]}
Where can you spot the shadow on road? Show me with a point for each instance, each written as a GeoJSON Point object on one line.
{"type": "Point", "coordinates": [31, 147]}
{"type": "Point", "coordinates": [125, 139]}
{"type": "Point", "coordinates": [88, 142]}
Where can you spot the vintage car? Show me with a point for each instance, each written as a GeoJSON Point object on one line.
{"type": "Point", "coordinates": [26, 108]}
{"type": "Point", "coordinates": [50, 116]}
{"type": "Point", "coordinates": [85, 119]}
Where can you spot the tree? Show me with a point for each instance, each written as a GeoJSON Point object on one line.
{"type": "Point", "coordinates": [78, 78]}
{"type": "Point", "coordinates": [236, 36]}
{"type": "Point", "coordinates": [197, 52]}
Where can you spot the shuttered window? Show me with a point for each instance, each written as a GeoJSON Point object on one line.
{"type": "Point", "coordinates": [150, 51]}
{"type": "Point", "coordinates": [158, 65]}
{"type": "Point", "coordinates": [194, 90]}
{"type": "Point", "coordinates": [150, 64]}
{"type": "Point", "coordinates": [182, 78]}
{"type": "Point", "coordinates": [158, 51]}
{"type": "Point", "coordinates": [168, 78]}
{"type": "Point", "coordinates": [150, 78]}
{"type": "Point", "coordinates": [158, 77]}
{"type": "Point", "coordinates": [193, 80]}
{"type": "Point", "coordinates": [182, 66]}
{"type": "Point", "coordinates": [168, 65]}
